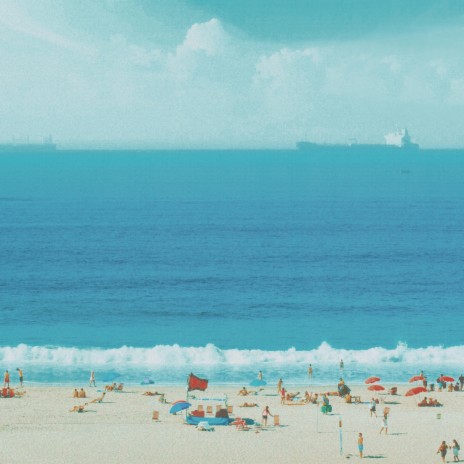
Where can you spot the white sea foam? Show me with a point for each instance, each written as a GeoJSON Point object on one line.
{"type": "Point", "coordinates": [212, 356]}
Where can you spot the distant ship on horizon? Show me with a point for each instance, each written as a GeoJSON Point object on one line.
{"type": "Point", "coordinates": [398, 140]}
{"type": "Point", "coordinates": [20, 147]}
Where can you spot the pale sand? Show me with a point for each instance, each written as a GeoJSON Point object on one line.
{"type": "Point", "coordinates": [38, 428]}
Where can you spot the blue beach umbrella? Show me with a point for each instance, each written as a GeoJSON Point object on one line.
{"type": "Point", "coordinates": [179, 406]}
{"type": "Point", "coordinates": [258, 383]}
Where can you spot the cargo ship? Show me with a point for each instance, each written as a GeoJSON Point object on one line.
{"type": "Point", "coordinates": [397, 141]}
{"type": "Point", "coordinates": [26, 147]}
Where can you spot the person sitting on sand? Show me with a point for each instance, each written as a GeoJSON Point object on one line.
{"type": "Point", "coordinates": [82, 393]}
{"type": "Point", "coordinates": [245, 392]}
{"type": "Point", "coordinates": [248, 405]}
{"type": "Point", "coordinates": [291, 396]}
{"type": "Point", "coordinates": [162, 399]}
{"type": "Point", "coordinates": [78, 408]}
{"type": "Point", "coordinates": [307, 397]}
{"type": "Point", "coordinates": [99, 399]}
{"type": "Point", "coordinates": [423, 402]}
{"type": "Point", "coordinates": [456, 387]}
{"type": "Point", "coordinates": [75, 393]}
{"type": "Point", "coordinates": [111, 387]}
{"type": "Point", "coordinates": [450, 387]}
{"type": "Point", "coordinates": [120, 387]}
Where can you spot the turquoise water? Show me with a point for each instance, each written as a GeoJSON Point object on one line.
{"type": "Point", "coordinates": [139, 263]}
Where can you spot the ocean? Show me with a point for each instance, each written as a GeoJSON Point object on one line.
{"type": "Point", "coordinates": [146, 264]}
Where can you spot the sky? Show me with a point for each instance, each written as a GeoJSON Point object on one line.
{"type": "Point", "coordinates": [238, 74]}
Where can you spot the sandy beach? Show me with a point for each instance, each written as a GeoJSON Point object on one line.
{"type": "Point", "coordinates": [38, 428]}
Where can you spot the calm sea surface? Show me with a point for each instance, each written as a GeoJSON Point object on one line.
{"type": "Point", "coordinates": [156, 263]}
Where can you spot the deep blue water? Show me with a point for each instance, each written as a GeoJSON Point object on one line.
{"type": "Point", "coordinates": [242, 250]}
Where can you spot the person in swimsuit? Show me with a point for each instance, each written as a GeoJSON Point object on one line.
{"type": "Point", "coordinates": [20, 373]}
{"type": "Point", "coordinates": [279, 386]}
{"type": "Point", "coordinates": [265, 415]}
{"type": "Point", "coordinates": [92, 379]}
{"type": "Point", "coordinates": [6, 379]}
{"type": "Point", "coordinates": [360, 445]}
{"type": "Point", "coordinates": [310, 371]}
{"type": "Point", "coordinates": [384, 424]}
{"type": "Point", "coordinates": [373, 407]}
{"type": "Point", "coordinates": [260, 375]}
{"type": "Point", "coordinates": [443, 448]}
{"type": "Point", "coordinates": [455, 447]}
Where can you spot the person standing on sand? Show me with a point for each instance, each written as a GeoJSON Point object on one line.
{"type": "Point", "coordinates": [360, 445]}
{"type": "Point", "coordinates": [265, 415]}
{"type": "Point", "coordinates": [373, 407]}
{"type": "Point", "coordinates": [279, 386]}
{"type": "Point", "coordinates": [443, 448]}
{"type": "Point", "coordinates": [342, 365]}
{"type": "Point", "coordinates": [92, 379]}
{"type": "Point", "coordinates": [21, 378]}
{"type": "Point", "coordinates": [384, 424]}
{"type": "Point", "coordinates": [310, 371]}
{"type": "Point", "coordinates": [461, 381]}
{"type": "Point", "coordinates": [6, 380]}
{"type": "Point", "coordinates": [260, 375]}
{"type": "Point", "coordinates": [456, 448]}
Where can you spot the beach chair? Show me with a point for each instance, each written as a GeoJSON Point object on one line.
{"type": "Point", "coordinates": [230, 409]}
{"type": "Point", "coordinates": [276, 420]}
{"type": "Point", "coordinates": [155, 416]}
{"type": "Point", "coordinates": [209, 410]}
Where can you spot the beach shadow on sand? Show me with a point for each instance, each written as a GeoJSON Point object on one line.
{"type": "Point", "coordinates": [369, 456]}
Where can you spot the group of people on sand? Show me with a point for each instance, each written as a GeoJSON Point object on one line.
{"type": "Point", "coordinates": [79, 394]}
{"type": "Point", "coordinates": [444, 447]}
{"type": "Point", "coordinates": [429, 403]}
{"type": "Point", "coordinates": [6, 378]}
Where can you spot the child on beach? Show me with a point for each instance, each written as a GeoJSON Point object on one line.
{"type": "Point", "coordinates": [360, 445]}
{"type": "Point", "coordinates": [442, 450]}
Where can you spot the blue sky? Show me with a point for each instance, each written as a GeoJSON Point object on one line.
{"type": "Point", "coordinates": [205, 73]}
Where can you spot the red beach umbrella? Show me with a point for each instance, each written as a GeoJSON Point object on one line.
{"type": "Point", "coordinates": [446, 378]}
{"type": "Point", "coordinates": [371, 380]}
{"type": "Point", "coordinates": [416, 378]}
{"type": "Point", "coordinates": [376, 388]}
{"type": "Point", "coordinates": [416, 391]}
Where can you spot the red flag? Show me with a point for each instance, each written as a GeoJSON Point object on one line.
{"type": "Point", "coordinates": [195, 383]}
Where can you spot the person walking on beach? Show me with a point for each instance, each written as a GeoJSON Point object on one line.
{"type": "Point", "coordinates": [310, 371]}
{"type": "Point", "coordinates": [279, 386]}
{"type": "Point", "coordinates": [456, 448]}
{"type": "Point", "coordinates": [360, 445]}
{"type": "Point", "coordinates": [384, 423]}
{"type": "Point", "coordinates": [265, 415]}
{"type": "Point", "coordinates": [6, 380]}
{"type": "Point", "coordinates": [92, 379]}
{"type": "Point", "coordinates": [20, 373]}
{"type": "Point", "coordinates": [260, 375]}
{"type": "Point", "coordinates": [443, 448]}
{"type": "Point", "coordinates": [373, 407]}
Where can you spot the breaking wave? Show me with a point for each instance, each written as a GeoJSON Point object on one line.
{"type": "Point", "coordinates": [210, 355]}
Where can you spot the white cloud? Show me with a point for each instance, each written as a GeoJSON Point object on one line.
{"type": "Point", "coordinates": [209, 37]}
